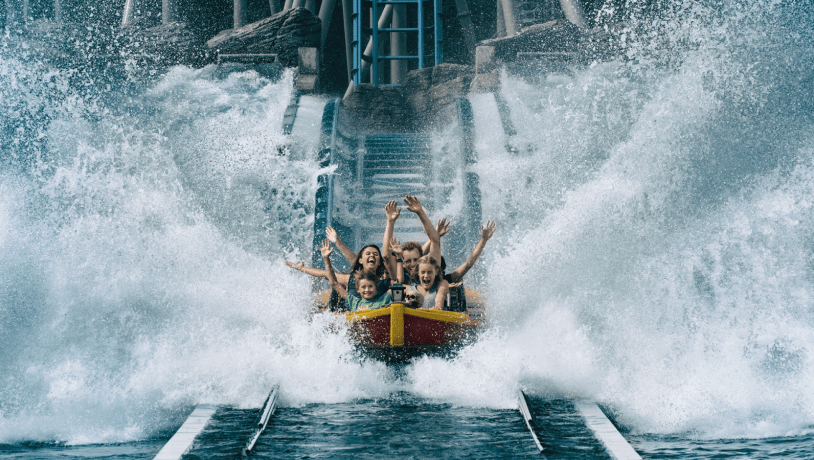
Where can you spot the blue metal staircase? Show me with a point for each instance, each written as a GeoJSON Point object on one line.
{"type": "Point", "coordinates": [369, 11]}
{"type": "Point", "coordinates": [394, 165]}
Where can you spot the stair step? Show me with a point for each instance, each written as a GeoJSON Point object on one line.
{"type": "Point", "coordinates": [368, 172]}
{"type": "Point", "coordinates": [419, 165]}
{"type": "Point", "coordinates": [398, 154]}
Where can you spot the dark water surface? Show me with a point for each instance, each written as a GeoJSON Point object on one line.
{"type": "Point", "coordinates": [403, 426]}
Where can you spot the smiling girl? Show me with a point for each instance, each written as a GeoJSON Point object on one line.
{"type": "Point", "coordinates": [430, 284]}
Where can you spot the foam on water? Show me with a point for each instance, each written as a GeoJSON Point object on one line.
{"type": "Point", "coordinates": [653, 251]}
{"type": "Point", "coordinates": [667, 210]}
{"type": "Point", "coordinates": [142, 247]}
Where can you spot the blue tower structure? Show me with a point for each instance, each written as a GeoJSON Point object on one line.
{"type": "Point", "coordinates": [427, 15]}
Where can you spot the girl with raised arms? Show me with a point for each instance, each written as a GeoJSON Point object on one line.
{"type": "Point", "coordinates": [366, 296]}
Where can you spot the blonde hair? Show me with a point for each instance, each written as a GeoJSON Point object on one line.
{"type": "Point", "coordinates": [428, 259]}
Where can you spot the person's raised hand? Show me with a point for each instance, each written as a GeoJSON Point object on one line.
{"type": "Point", "coordinates": [295, 266]}
{"type": "Point", "coordinates": [395, 246]}
{"type": "Point", "coordinates": [488, 231]}
{"type": "Point", "coordinates": [443, 226]}
{"type": "Point", "coordinates": [326, 249]}
{"type": "Point", "coordinates": [330, 233]}
{"type": "Point", "coordinates": [392, 210]}
{"type": "Point", "coordinates": [413, 205]}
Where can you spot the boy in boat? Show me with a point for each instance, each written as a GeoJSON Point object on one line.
{"type": "Point", "coordinates": [409, 253]}
{"type": "Point", "coordinates": [366, 295]}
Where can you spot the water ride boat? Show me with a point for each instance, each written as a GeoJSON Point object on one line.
{"type": "Point", "coordinates": [398, 333]}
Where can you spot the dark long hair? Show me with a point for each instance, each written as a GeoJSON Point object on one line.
{"type": "Point", "coordinates": [358, 265]}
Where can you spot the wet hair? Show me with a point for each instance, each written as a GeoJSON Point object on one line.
{"type": "Point", "coordinates": [443, 265]}
{"type": "Point", "coordinates": [360, 275]}
{"type": "Point", "coordinates": [358, 265]}
{"type": "Point", "coordinates": [428, 259]}
{"type": "Point", "coordinates": [412, 246]}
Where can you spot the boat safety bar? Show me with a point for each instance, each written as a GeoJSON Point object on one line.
{"type": "Point", "coordinates": [616, 445]}
{"type": "Point", "coordinates": [265, 415]}
{"type": "Point", "coordinates": [524, 410]}
{"type": "Point", "coordinates": [181, 441]}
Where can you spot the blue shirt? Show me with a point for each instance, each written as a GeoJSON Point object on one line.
{"type": "Point", "coordinates": [355, 302]}
{"type": "Point", "coordinates": [382, 286]}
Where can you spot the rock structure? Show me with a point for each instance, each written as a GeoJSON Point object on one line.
{"type": "Point", "coordinates": [280, 34]}
{"type": "Point", "coordinates": [379, 109]}
{"type": "Point", "coordinates": [165, 44]}
{"type": "Point", "coordinates": [430, 91]}
{"type": "Point", "coordinates": [552, 36]}
{"type": "Point", "coordinates": [425, 100]}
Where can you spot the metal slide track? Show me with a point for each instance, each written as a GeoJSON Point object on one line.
{"type": "Point", "coordinates": [391, 166]}
{"type": "Point", "coordinates": [369, 169]}
{"type": "Point", "coordinates": [185, 438]}
{"type": "Point", "coordinates": [558, 428]}
{"type": "Point", "coordinates": [565, 428]}
{"type": "Point", "coordinates": [182, 440]}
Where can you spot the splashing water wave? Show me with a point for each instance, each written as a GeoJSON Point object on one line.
{"type": "Point", "coordinates": [654, 249]}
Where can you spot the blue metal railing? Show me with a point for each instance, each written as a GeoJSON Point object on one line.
{"type": "Point", "coordinates": [420, 56]}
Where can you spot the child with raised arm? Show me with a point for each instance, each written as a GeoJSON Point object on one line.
{"type": "Point", "coordinates": [413, 205]}
{"type": "Point", "coordinates": [368, 259]}
{"type": "Point", "coordinates": [365, 296]}
{"type": "Point", "coordinates": [427, 276]}
{"type": "Point", "coordinates": [485, 234]}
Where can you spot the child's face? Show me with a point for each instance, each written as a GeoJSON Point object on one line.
{"type": "Point", "coordinates": [426, 274]}
{"type": "Point", "coordinates": [410, 259]}
{"type": "Point", "coordinates": [366, 289]}
{"type": "Point", "coordinates": [370, 259]}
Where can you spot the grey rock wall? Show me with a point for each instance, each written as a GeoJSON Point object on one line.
{"type": "Point", "coordinates": [280, 34]}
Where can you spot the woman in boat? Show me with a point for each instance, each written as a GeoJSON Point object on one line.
{"type": "Point", "coordinates": [365, 296]}
{"type": "Point", "coordinates": [368, 259]}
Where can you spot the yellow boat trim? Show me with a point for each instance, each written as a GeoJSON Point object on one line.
{"type": "Point", "coordinates": [367, 314]}
{"type": "Point", "coordinates": [437, 315]}
{"type": "Point", "coordinates": [397, 324]}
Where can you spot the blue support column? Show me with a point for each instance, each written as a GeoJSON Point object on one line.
{"type": "Point", "coordinates": [420, 34]}
{"type": "Point", "coordinates": [439, 32]}
{"type": "Point", "coordinates": [374, 54]}
{"type": "Point", "coordinates": [357, 42]}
